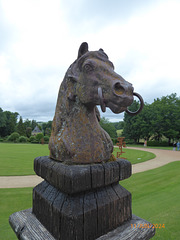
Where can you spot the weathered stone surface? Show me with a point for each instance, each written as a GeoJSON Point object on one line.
{"type": "Point", "coordinates": [27, 227]}
{"type": "Point", "coordinates": [84, 215]}
{"type": "Point", "coordinates": [76, 178]}
{"type": "Point", "coordinates": [76, 135]}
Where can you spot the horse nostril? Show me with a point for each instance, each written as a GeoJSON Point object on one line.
{"type": "Point", "coordinates": [118, 89]}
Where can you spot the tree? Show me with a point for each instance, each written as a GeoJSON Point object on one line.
{"type": "Point", "coordinates": [27, 123]}
{"type": "Point", "coordinates": [21, 128]}
{"type": "Point", "coordinates": [132, 124]}
{"type": "Point", "coordinates": [28, 131]}
{"type": "Point", "coordinates": [161, 118]}
{"type": "Point", "coordinates": [39, 137]}
{"type": "Point", "coordinates": [46, 127]}
{"type": "Point", "coordinates": [118, 125]}
{"type": "Point", "coordinates": [48, 132]}
{"type": "Point", "coordinates": [10, 123]}
{"type": "Point", "coordinates": [166, 115]}
{"type": "Point", "coordinates": [145, 122]}
{"type": "Point", "coordinates": [33, 124]}
{"type": "Point", "coordinates": [2, 121]}
{"type": "Point", "coordinates": [108, 127]}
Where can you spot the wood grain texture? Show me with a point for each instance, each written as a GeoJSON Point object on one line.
{"type": "Point", "coordinates": [73, 179]}
{"type": "Point", "coordinates": [27, 227]}
{"type": "Point", "coordinates": [79, 202]}
{"type": "Point", "coordinates": [85, 215]}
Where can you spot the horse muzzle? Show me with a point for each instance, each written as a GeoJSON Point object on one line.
{"type": "Point", "coordinates": [120, 92]}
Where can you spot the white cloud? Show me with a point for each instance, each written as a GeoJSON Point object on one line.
{"type": "Point", "coordinates": [142, 42]}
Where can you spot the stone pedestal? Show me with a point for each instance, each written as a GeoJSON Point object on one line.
{"type": "Point", "coordinates": [81, 201]}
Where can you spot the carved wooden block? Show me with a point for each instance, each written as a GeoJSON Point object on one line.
{"type": "Point", "coordinates": [81, 201]}
{"type": "Point", "coordinates": [77, 178]}
{"type": "Point", "coordinates": [86, 215]}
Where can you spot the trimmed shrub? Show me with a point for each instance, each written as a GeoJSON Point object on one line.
{"type": "Point", "coordinates": [22, 139]}
{"type": "Point", "coordinates": [32, 138]}
{"type": "Point", "coordinates": [39, 137]}
{"type": "Point", "coordinates": [14, 137]}
{"type": "Point", "coordinates": [46, 139]}
{"type": "Point", "coordinates": [157, 144]}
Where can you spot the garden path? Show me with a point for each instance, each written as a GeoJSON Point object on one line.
{"type": "Point", "coordinates": [163, 157]}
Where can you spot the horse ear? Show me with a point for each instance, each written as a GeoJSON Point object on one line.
{"type": "Point", "coordinates": [83, 49]}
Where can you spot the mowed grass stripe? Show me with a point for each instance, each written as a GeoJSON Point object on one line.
{"type": "Point", "coordinates": [135, 156]}
{"type": "Point", "coordinates": [12, 200]}
{"type": "Point", "coordinates": [18, 159]}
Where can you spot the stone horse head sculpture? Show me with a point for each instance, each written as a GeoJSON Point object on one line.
{"type": "Point", "coordinates": [76, 134]}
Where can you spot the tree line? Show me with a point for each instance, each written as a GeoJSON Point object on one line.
{"type": "Point", "coordinates": [157, 121]}
{"type": "Point", "coordinates": [9, 124]}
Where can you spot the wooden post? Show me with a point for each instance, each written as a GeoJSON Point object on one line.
{"type": "Point", "coordinates": [79, 202]}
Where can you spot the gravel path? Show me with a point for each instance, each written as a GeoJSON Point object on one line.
{"type": "Point", "coordinates": [162, 158]}
{"type": "Point", "coordinates": [19, 181]}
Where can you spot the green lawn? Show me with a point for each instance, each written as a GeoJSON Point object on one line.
{"type": "Point", "coordinates": [135, 156]}
{"type": "Point", "coordinates": [12, 200]}
{"type": "Point", "coordinates": [155, 197]}
{"type": "Point", "coordinates": [17, 159]}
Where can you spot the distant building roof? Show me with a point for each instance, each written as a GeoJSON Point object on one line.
{"type": "Point", "coordinates": [36, 131]}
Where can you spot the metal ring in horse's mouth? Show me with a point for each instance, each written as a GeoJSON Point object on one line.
{"type": "Point", "coordinates": [101, 99]}
{"type": "Point", "coordinates": [141, 105]}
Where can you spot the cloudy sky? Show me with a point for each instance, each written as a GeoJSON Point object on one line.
{"type": "Point", "coordinates": [39, 39]}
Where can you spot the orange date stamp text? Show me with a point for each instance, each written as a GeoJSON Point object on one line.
{"type": "Point", "coordinates": [147, 225]}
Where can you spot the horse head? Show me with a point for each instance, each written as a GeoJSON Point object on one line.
{"type": "Point", "coordinates": [90, 81]}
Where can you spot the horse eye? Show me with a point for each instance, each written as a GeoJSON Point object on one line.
{"type": "Point", "coordinates": [88, 68]}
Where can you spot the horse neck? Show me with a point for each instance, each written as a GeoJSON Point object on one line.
{"type": "Point", "coordinates": [74, 115]}
{"type": "Point", "coordinates": [81, 115]}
